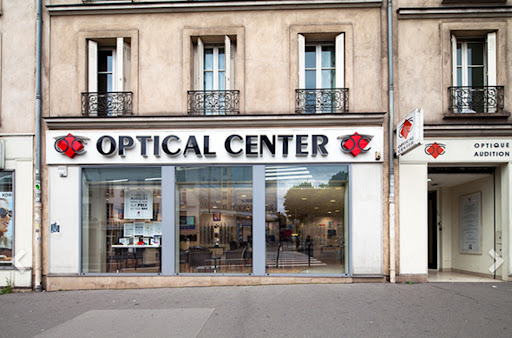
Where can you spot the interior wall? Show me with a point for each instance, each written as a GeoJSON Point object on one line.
{"type": "Point", "coordinates": [506, 217]}
{"type": "Point", "coordinates": [478, 263]}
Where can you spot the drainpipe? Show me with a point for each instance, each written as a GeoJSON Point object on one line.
{"type": "Point", "coordinates": [38, 287]}
{"type": "Point", "coordinates": [392, 271]}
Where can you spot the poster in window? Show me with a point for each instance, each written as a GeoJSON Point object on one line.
{"type": "Point", "coordinates": [138, 204]}
{"type": "Point", "coordinates": [471, 224]}
{"type": "Point", "coordinates": [157, 229]}
{"type": "Point", "coordinates": [148, 230]}
{"type": "Point", "coordinates": [138, 229]}
{"type": "Point", "coordinates": [6, 226]}
{"type": "Point", "coordinates": [128, 230]}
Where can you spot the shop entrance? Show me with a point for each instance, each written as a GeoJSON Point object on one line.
{"type": "Point", "coordinates": [461, 223]}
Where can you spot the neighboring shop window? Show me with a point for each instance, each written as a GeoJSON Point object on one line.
{"type": "Point", "coordinates": [121, 220]}
{"type": "Point", "coordinates": [6, 217]}
{"type": "Point", "coordinates": [214, 216]}
{"type": "Point", "coordinates": [306, 219]}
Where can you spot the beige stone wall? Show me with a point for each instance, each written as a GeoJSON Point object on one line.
{"type": "Point", "coordinates": [17, 67]}
{"type": "Point", "coordinates": [267, 72]}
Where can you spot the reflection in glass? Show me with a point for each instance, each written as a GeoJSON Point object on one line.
{"type": "Point", "coordinates": [214, 208]}
{"type": "Point", "coordinates": [121, 220]}
{"type": "Point", "coordinates": [306, 219]}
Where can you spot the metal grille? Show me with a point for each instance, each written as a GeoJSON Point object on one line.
{"type": "Point", "coordinates": [213, 102]}
{"type": "Point", "coordinates": [321, 101]}
{"type": "Point", "coordinates": [489, 99]}
{"type": "Point", "coordinates": [107, 104]}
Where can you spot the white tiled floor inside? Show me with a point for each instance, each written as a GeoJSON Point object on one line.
{"type": "Point", "coordinates": [435, 276]}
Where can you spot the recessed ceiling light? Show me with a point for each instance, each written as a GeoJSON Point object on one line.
{"type": "Point", "coordinates": [304, 198]}
{"type": "Point", "coordinates": [332, 201]}
{"type": "Point", "coordinates": [316, 207]}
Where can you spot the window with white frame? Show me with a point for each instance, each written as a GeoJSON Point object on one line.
{"type": "Point", "coordinates": [474, 74]}
{"type": "Point", "coordinates": [108, 82]}
{"type": "Point", "coordinates": [214, 76]}
{"type": "Point", "coordinates": [321, 73]}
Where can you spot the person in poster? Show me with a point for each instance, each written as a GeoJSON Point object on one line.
{"type": "Point", "coordinates": [5, 231]}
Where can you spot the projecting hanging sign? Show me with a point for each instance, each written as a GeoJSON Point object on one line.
{"type": "Point", "coordinates": [216, 146]}
{"type": "Point", "coordinates": [409, 133]}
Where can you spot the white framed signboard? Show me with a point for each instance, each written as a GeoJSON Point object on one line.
{"type": "Point", "coordinates": [409, 133]}
{"type": "Point", "coordinates": [471, 224]}
{"type": "Point", "coordinates": [138, 204]}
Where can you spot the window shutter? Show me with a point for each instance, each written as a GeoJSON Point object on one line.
{"type": "Point", "coordinates": [232, 65]}
{"type": "Point", "coordinates": [302, 61]}
{"type": "Point", "coordinates": [200, 64]}
{"type": "Point", "coordinates": [227, 51]}
{"type": "Point", "coordinates": [340, 60]}
{"type": "Point", "coordinates": [127, 66]}
{"type": "Point", "coordinates": [491, 59]}
{"type": "Point", "coordinates": [119, 66]}
{"type": "Point", "coordinates": [93, 66]}
{"type": "Point", "coordinates": [454, 62]}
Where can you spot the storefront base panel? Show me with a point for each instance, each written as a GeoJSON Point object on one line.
{"type": "Point", "coordinates": [411, 278]}
{"type": "Point", "coordinates": [59, 283]}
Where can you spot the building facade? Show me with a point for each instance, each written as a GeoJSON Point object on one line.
{"type": "Point", "coordinates": [209, 143]}
{"type": "Point", "coordinates": [17, 102]}
{"type": "Point", "coordinates": [455, 188]}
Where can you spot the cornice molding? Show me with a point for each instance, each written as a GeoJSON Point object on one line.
{"type": "Point", "coordinates": [452, 12]}
{"type": "Point", "coordinates": [239, 121]}
{"type": "Point", "coordinates": [202, 6]}
{"type": "Point", "coordinates": [464, 130]}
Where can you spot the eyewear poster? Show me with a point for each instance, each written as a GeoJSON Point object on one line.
{"type": "Point", "coordinates": [470, 225]}
{"type": "Point", "coordinates": [6, 226]}
{"type": "Point", "coordinates": [138, 204]}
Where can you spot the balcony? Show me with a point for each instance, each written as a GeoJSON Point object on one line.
{"type": "Point", "coordinates": [477, 100]}
{"type": "Point", "coordinates": [107, 104]}
{"type": "Point", "coordinates": [321, 101]}
{"type": "Point", "coordinates": [213, 102]}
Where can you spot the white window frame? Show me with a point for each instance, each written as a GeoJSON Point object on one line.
{"type": "Point", "coordinates": [121, 64]}
{"type": "Point", "coordinates": [230, 52]}
{"type": "Point", "coordinates": [339, 45]}
{"type": "Point", "coordinates": [490, 60]}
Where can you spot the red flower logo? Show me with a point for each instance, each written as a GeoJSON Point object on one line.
{"type": "Point", "coordinates": [435, 149]}
{"type": "Point", "coordinates": [355, 144]}
{"type": "Point", "coordinates": [405, 129]}
{"type": "Point", "coordinates": [70, 145]}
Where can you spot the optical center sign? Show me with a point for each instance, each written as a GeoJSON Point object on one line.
{"type": "Point", "coordinates": [296, 145]}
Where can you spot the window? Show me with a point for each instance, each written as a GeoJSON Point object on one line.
{"type": "Point", "coordinates": [214, 79]}
{"type": "Point", "coordinates": [109, 64]}
{"type": "Point", "coordinates": [321, 75]}
{"type": "Point", "coordinates": [307, 219]}
{"type": "Point", "coordinates": [474, 87]}
{"type": "Point", "coordinates": [121, 220]}
{"type": "Point", "coordinates": [6, 217]}
{"type": "Point", "coordinates": [214, 219]}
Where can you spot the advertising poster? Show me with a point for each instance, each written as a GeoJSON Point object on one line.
{"type": "Point", "coordinates": [138, 204]}
{"type": "Point", "coordinates": [6, 226]}
{"type": "Point", "coordinates": [470, 224]}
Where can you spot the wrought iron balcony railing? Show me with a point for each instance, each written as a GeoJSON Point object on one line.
{"type": "Point", "coordinates": [488, 99]}
{"type": "Point", "coordinates": [213, 102]}
{"type": "Point", "coordinates": [311, 101]}
{"type": "Point", "coordinates": [107, 104]}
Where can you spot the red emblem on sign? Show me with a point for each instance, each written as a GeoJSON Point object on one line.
{"type": "Point", "coordinates": [405, 128]}
{"type": "Point", "coordinates": [70, 145]}
{"type": "Point", "coordinates": [435, 149]}
{"type": "Point", "coordinates": [355, 144]}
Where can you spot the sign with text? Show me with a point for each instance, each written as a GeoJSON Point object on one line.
{"type": "Point", "coordinates": [409, 132]}
{"type": "Point", "coordinates": [290, 145]}
{"type": "Point", "coordinates": [470, 224]}
{"type": "Point", "coordinates": [138, 204]}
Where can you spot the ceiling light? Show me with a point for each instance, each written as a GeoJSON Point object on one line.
{"type": "Point", "coordinates": [304, 198]}
{"type": "Point", "coordinates": [332, 201]}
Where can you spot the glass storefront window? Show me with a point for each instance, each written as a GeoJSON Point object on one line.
{"type": "Point", "coordinates": [306, 219]}
{"type": "Point", "coordinates": [214, 219]}
{"type": "Point", "coordinates": [6, 217]}
{"type": "Point", "coordinates": [121, 220]}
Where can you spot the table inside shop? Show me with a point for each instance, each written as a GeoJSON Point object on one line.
{"type": "Point", "coordinates": [133, 250]}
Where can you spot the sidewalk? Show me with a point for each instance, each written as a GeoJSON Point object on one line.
{"type": "Point", "coordinates": [332, 310]}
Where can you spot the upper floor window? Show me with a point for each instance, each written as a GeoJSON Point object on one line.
{"type": "Point", "coordinates": [214, 79]}
{"type": "Point", "coordinates": [474, 83]}
{"type": "Point", "coordinates": [108, 81]}
{"type": "Point", "coordinates": [321, 75]}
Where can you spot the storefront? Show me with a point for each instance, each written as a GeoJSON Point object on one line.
{"type": "Point", "coordinates": [221, 202]}
{"type": "Point", "coordinates": [455, 203]}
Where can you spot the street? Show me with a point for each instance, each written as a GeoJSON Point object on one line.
{"type": "Point", "coordinates": [333, 310]}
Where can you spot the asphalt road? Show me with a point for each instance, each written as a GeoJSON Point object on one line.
{"type": "Point", "coordinates": [441, 309]}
